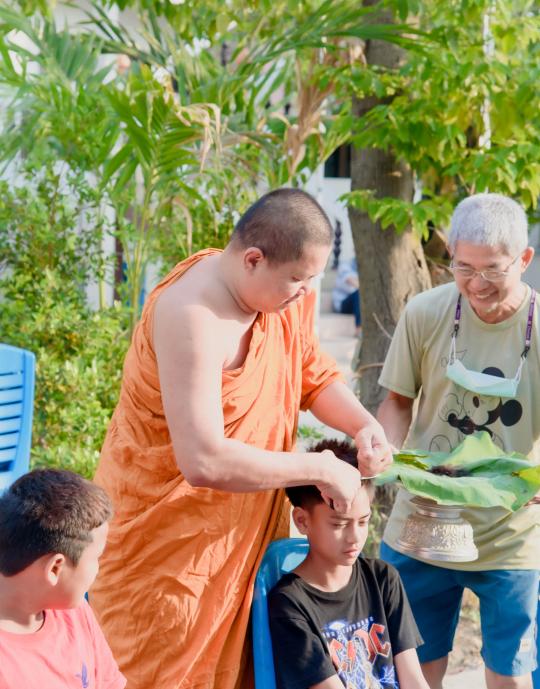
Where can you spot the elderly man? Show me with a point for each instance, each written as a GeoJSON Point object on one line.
{"type": "Point", "coordinates": [470, 351]}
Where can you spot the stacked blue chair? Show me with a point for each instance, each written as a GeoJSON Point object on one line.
{"type": "Point", "coordinates": [17, 371]}
{"type": "Point", "coordinates": [281, 557]}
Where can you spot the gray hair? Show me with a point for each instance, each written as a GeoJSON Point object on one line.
{"type": "Point", "coordinates": [490, 220]}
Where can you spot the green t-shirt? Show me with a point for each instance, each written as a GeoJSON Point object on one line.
{"type": "Point", "coordinates": [416, 367]}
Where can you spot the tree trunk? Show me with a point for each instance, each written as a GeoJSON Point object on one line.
{"type": "Point", "coordinates": [392, 267]}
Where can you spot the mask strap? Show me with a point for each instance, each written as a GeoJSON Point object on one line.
{"type": "Point", "coordinates": [517, 377]}
{"type": "Point", "coordinates": [452, 353]}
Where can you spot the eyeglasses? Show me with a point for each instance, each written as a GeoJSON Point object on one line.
{"type": "Point", "coordinates": [489, 275]}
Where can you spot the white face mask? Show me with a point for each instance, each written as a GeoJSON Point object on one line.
{"type": "Point", "coordinates": [482, 383]}
{"type": "Point", "coordinates": [485, 383]}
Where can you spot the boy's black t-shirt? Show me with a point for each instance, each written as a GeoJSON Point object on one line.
{"type": "Point", "coordinates": [353, 632]}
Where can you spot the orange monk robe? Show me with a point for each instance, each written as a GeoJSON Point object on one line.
{"type": "Point", "coordinates": [175, 586]}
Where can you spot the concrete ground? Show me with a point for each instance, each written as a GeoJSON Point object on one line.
{"type": "Point", "coordinates": [468, 679]}
{"type": "Point", "coordinates": [337, 338]}
{"type": "Point", "coordinates": [336, 335]}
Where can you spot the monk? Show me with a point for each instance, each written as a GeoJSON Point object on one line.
{"type": "Point", "coordinates": [201, 446]}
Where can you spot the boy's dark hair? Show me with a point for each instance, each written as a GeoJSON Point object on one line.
{"type": "Point", "coordinates": [307, 496]}
{"type": "Point", "coordinates": [48, 511]}
{"type": "Point", "coordinates": [281, 223]}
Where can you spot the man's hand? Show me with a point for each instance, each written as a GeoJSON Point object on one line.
{"type": "Point", "coordinates": [535, 500]}
{"type": "Point", "coordinates": [374, 451]}
{"type": "Point", "coordinates": [342, 485]}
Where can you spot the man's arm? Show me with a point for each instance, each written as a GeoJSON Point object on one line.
{"type": "Point", "coordinates": [408, 670]}
{"type": "Point", "coordinates": [395, 416]}
{"type": "Point", "coordinates": [337, 406]}
{"type": "Point", "coordinates": [189, 352]}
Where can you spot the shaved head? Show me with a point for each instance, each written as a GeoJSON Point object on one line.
{"type": "Point", "coordinates": [281, 224]}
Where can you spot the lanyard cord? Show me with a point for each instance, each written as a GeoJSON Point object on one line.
{"type": "Point", "coordinates": [528, 332]}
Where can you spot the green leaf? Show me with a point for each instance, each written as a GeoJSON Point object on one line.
{"type": "Point", "coordinates": [403, 9]}
{"type": "Point", "coordinates": [114, 163]}
{"type": "Point", "coordinates": [497, 479]}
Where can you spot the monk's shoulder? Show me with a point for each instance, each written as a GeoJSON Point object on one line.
{"type": "Point", "coordinates": [184, 327]}
{"type": "Point", "coordinates": [190, 296]}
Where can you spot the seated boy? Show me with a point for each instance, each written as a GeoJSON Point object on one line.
{"type": "Point", "coordinates": [53, 528]}
{"type": "Point", "coordinates": [340, 619]}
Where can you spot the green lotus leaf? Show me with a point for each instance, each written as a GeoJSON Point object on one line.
{"type": "Point", "coordinates": [531, 474]}
{"type": "Point", "coordinates": [494, 477]}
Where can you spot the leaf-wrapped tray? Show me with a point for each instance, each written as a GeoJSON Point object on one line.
{"type": "Point", "coordinates": [493, 478]}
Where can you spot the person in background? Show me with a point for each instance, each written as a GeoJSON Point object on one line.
{"type": "Point", "coordinates": [346, 293]}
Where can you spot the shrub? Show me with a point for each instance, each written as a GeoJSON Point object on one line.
{"type": "Point", "coordinates": [79, 356]}
{"type": "Point", "coordinates": [47, 259]}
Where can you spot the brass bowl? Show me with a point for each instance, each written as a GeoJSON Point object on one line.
{"type": "Point", "coordinates": [437, 532]}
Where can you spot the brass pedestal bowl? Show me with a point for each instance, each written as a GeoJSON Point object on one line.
{"type": "Point", "coordinates": [437, 532]}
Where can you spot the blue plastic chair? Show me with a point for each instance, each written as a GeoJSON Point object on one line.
{"type": "Point", "coordinates": [281, 557]}
{"type": "Point", "coordinates": [17, 371]}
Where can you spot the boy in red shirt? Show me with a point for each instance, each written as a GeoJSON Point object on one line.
{"type": "Point", "coordinates": [53, 528]}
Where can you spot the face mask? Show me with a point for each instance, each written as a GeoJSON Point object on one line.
{"type": "Point", "coordinates": [485, 383]}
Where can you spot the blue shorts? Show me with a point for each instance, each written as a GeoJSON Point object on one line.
{"type": "Point", "coordinates": [508, 605]}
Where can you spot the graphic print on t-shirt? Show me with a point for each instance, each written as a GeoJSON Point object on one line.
{"type": "Point", "coordinates": [83, 676]}
{"type": "Point", "coordinates": [467, 412]}
{"type": "Point", "coordinates": [355, 649]}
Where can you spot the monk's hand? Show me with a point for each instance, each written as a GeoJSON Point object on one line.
{"type": "Point", "coordinates": [343, 483]}
{"type": "Point", "coordinates": [374, 450]}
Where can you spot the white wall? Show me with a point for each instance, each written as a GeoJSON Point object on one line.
{"type": "Point", "coordinates": [327, 191]}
